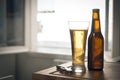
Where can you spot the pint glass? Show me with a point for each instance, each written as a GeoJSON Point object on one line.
{"type": "Point", "coordinates": [78, 34]}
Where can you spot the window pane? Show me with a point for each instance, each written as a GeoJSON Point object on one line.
{"type": "Point", "coordinates": [53, 22]}
{"type": "Point", "coordinates": [11, 22]}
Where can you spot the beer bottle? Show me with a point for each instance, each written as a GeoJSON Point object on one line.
{"type": "Point", "coordinates": [95, 44]}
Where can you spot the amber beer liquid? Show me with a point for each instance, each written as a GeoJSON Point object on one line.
{"type": "Point", "coordinates": [95, 44]}
{"type": "Point", "coordinates": [78, 44]}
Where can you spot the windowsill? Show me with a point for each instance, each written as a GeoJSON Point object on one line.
{"type": "Point", "coordinates": [52, 52]}
{"type": "Point", "coordinates": [60, 52]}
{"type": "Point", "coordinates": [56, 56]}
{"type": "Point", "coordinates": [109, 58]}
{"type": "Point", "coordinates": [13, 50]}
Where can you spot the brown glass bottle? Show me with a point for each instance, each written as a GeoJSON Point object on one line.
{"type": "Point", "coordinates": [95, 44]}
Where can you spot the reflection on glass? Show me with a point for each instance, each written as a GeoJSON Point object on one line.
{"type": "Point", "coordinates": [11, 22]}
{"type": "Point", "coordinates": [97, 75]}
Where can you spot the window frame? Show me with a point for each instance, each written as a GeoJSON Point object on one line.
{"type": "Point", "coordinates": [112, 55]}
{"type": "Point", "coordinates": [25, 47]}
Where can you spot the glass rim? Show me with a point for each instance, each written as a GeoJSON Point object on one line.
{"type": "Point", "coordinates": [79, 25]}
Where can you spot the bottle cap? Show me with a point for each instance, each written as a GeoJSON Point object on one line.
{"type": "Point", "coordinates": [96, 9]}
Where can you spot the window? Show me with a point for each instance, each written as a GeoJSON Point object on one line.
{"type": "Point", "coordinates": [12, 26]}
{"type": "Point", "coordinates": [42, 25]}
{"type": "Point", "coordinates": [52, 22]}
{"type": "Point", "coordinates": [52, 35]}
{"type": "Point", "coordinates": [113, 31]}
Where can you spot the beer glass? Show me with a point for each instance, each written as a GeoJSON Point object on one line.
{"type": "Point", "coordinates": [78, 34]}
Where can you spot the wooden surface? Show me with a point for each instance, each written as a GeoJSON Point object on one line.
{"type": "Point", "coordinates": [111, 72]}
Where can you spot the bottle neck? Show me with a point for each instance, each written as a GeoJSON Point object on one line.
{"type": "Point", "coordinates": [96, 21]}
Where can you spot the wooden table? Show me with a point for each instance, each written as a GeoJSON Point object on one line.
{"type": "Point", "coordinates": [111, 72]}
